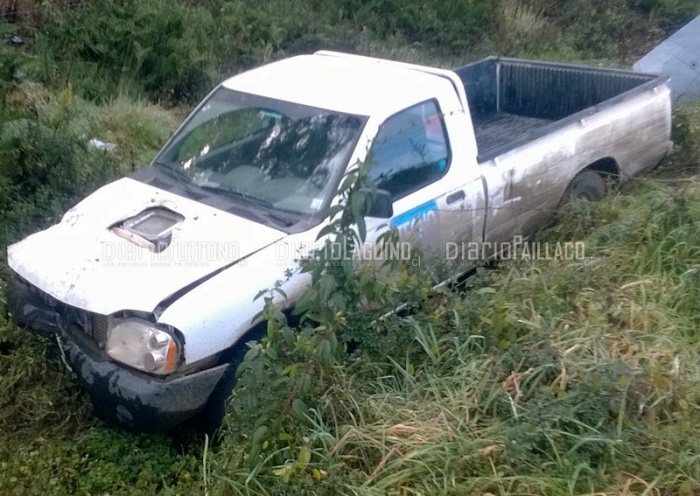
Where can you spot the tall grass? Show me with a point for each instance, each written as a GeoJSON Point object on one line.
{"type": "Point", "coordinates": [173, 51]}
{"type": "Point", "coordinates": [574, 378]}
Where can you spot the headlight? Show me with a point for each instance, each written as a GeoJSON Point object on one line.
{"type": "Point", "coordinates": [139, 344]}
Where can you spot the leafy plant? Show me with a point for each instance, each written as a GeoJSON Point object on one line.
{"type": "Point", "coordinates": [45, 165]}
{"type": "Point", "coordinates": [283, 375]}
{"type": "Point", "coordinates": [108, 47]}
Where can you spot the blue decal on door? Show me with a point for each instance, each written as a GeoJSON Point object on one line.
{"type": "Point", "coordinates": [413, 214]}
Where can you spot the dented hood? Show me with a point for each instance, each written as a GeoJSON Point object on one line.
{"type": "Point", "coordinates": [81, 261]}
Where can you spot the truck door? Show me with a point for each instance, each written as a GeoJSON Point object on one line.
{"type": "Point", "coordinates": [438, 197]}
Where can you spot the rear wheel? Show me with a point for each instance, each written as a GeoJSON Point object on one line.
{"type": "Point", "coordinates": [587, 185]}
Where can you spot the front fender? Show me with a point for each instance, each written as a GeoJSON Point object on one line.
{"type": "Point", "coordinates": [216, 314]}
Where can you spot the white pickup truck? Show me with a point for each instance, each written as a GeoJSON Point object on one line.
{"type": "Point", "coordinates": [149, 282]}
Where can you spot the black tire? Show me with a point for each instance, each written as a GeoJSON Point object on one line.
{"type": "Point", "coordinates": [211, 417]}
{"type": "Point", "coordinates": [587, 185]}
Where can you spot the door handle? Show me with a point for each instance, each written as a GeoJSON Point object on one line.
{"type": "Point", "coordinates": [455, 197]}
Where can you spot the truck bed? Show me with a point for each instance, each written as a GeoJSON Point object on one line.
{"type": "Point", "coordinates": [514, 101]}
{"type": "Point", "coordinates": [497, 128]}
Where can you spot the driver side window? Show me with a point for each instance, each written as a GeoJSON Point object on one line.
{"type": "Point", "coordinates": [410, 150]}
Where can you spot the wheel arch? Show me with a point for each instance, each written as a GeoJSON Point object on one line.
{"type": "Point", "coordinates": [607, 167]}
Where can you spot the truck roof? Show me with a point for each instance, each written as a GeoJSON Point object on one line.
{"type": "Point", "coordinates": [349, 84]}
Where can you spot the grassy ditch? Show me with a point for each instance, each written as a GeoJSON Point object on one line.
{"type": "Point", "coordinates": [569, 378]}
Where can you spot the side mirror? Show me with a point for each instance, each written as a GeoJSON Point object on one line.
{"type": "Point", "coordinates": [382, 205]}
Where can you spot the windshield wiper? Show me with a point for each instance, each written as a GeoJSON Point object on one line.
{"type": "Point", "coordinates": [259, 205]}
{"type": "Point", "coordinates": [279, 220]}
{"type": "Point", "coordinates": [248, 199]}
{"type": "Point", "coordinates": [260, 208]}
{"type": "Point", "coordinates": [184, 181]}
{"type": "Point", "coordinates": [178, 174]}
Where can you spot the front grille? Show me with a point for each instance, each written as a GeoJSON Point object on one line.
{"type": "Point", "coordinates": [100, 328]}
{"type": "Point", "coordinates": [94, 325]}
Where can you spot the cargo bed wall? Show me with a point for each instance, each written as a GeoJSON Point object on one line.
{"type": "Point", "coordinates": [513, 101]}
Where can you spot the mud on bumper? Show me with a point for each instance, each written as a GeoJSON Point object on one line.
{"type": "Point", "coordinates": [119, 394]}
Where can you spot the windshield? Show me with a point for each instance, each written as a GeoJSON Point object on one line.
{"type": "Point", "coordinates": [267, 153]}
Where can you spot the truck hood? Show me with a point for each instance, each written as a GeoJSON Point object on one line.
{"type": "Point", "coordinates": [81, 261]}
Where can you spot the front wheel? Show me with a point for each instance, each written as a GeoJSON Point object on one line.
{"type": "Point", "coordinates": [587, 185]}
{"type": "Point", "coordinates": [210, 419]}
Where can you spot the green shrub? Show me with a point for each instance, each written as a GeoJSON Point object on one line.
{"type": "Point", "coordinates": [161, 48]}
{"type": "Point", "coordinates": [673, 13]}
{"type": "Point", "coordinates": [101, 461]}
{"type": "Point", "coordinates": [686, 136]}
{"type": "Point", "coordinates": [450, 24]}
{"type": "Point", "coordinates": [137, 127]}
{"type": "Point", "coordinates": [597, 27]}
{"type": "Point", "coordinates": [249, 33]}
{"type": "Point", "coordinates": [45, 165]}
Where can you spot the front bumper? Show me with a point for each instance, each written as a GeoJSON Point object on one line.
{"type": "Point", "coordinates": [119, 394]}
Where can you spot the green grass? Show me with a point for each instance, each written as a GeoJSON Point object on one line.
{"type": "Point", "coordinates": [137, 127]}
{"type": "Point", "coordinates": [50, 443]}
{"type": "Point", "coordinates": [564, 379]}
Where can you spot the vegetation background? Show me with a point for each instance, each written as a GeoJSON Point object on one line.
{"type": "Point", "coordinates": [564, 380]}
